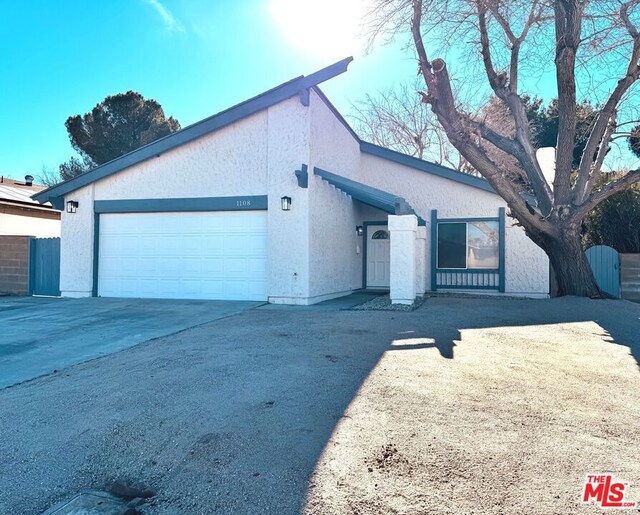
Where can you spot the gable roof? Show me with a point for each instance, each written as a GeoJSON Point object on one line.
{"type": "Point", "coordinates": [425, 166]}
{"type": "Point", "coordinates": [406, 159]}
{"type": "Point", "coordinates": [298, 86]}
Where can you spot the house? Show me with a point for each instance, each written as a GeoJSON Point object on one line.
{"type": "Point", "coordinates": [20, 215]}
{"type": "Point", "coordinates": [22, 219]}
{"type": "Point", "coordinates": [277, 199]}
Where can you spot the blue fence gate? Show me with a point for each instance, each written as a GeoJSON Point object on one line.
{"type": "Point", "coordinates": [44, 266]}
{"type": "Point", "coordinates": [605, 263]}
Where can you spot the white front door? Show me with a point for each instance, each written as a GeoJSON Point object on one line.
{"type": "Point", "coordinates": [378, 256]}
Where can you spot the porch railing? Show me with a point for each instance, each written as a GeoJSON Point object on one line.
{"type": "Point", "coordinates": [468, 278]}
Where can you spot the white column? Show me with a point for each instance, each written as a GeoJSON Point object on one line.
{"type": "Point", "coordinates": [402, 233]}
{"type": "Point", "coordinates": [421, 260]}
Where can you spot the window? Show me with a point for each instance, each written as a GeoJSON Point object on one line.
{"type": "Point", "coordinates": [452, 245]}
{"type": "Point", "coordinates": [380, 235]}
{"type": "Point", "coordinates": [468, 245]}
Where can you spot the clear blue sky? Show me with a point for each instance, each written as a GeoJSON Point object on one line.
{"type": "Point", "coordinates": [196, 57]}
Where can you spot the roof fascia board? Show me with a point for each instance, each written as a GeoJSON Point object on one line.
{"type": "Point", "coordinates": [425, 166]}
{"type": "Point", "coordinates": [192, 132]}
{"type": "Point", "coordinates": [24, 205]}
{"type": "Point", "coordinates": [366, 194]}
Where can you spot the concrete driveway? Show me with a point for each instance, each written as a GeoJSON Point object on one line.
{"type": "Point", "coordinates": [44, 335]}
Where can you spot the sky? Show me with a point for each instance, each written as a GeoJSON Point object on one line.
{"type": "Point", "coordinates": [195, 57]}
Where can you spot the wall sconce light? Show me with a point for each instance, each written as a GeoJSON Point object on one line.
{"type": "Point", "coordinates": [359, 230]}
{"type": "Point", "coordinates": [285, 203]}
{"type": "Point", "coordinates": [72, 206]}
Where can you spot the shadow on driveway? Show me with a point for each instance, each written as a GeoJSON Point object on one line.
{"type": "Point", "coordinates": [233, 416]}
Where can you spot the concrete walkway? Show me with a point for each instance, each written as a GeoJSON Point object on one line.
{"type": "Point", "coordinates": [40, 335]}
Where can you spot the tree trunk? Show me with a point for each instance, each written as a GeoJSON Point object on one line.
{"type": "Point", "coordinates": [570, 264]}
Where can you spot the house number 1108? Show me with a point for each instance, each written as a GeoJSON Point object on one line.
{"type": "Point", "coordinates": [243, 203]}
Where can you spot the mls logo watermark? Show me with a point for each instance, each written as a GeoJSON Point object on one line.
{"type": "Point", "coordinates": [606, 491]}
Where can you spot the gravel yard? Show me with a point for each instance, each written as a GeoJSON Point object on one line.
{"type": "Point", "coordinates": [465, 405]}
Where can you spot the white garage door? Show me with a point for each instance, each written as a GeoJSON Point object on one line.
{"type": "Point", "coordinates": [197, 255]}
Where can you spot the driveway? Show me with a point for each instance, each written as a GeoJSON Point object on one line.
{"type": "Point", "coordinates": [465, 405]}
{"type": "Point", "coordinates": [45, 335]}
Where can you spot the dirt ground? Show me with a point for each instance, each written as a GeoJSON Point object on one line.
{"type": "Point", "coordinates": [466, 405]}
{"type": "Point", "coordinates": [507, 419]}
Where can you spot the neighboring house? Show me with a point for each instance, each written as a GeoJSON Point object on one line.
{"type": "Point", "coordinates": [277, 199]}
{"type": "Point", "coordinates": [20, 215]}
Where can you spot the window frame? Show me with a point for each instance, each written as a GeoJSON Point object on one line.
{"type": "Point", "coordinates": [387, 236]}
{"type": "Point", "coordinates": [466, 223]}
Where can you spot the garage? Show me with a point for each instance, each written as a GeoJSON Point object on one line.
{"type": "Point", "coordinates": [215, 255]}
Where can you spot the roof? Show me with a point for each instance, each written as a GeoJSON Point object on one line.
{"type": "Point", "coordinates": [426, 166]}
{"type": "Point", "coordinates": [405, 159]}
{"type": "Point", "coordinates": [298, 86]}
{"type": "Point", "coordinates": [18, 193]}
{"type": "Point", "coordinates": [387, 202]}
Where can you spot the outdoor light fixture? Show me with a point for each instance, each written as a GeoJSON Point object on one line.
{"type": "Point", "coordinates": [285, 202]}
{"type": "Point", "coordinates": [359, 230]}
{"type": "Point", "coordinates": [72, 206]}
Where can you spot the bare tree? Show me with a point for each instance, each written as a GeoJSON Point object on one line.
{"type": "Point", "coordinates": [508, 33]}
{"type": "Point", "coordinates": [399, 120]}
{"type": "Point", "coordinates": [47, 176]}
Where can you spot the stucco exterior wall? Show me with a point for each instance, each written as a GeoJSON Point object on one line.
{"type": "Point", "coordinates": [25, 225]}
{"type": "Point", "coordinates": [335, 250]}
{"type": "Point", "coordinates": [527, 266]}
{"type": "Point", "coordinates": [314, 252]}
{"type": "Point", "coordinates": [288, 149]}
{"type": "Point", "coordinates": [255, 156]}
{"type": "Point", "coordinates": [231, 161]}
{"type": "Point", "coordinates": [76, 246]}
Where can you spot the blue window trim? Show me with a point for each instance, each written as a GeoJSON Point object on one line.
{"type": "Point", "coordinates": [434, 249]}
{"type": "Point", "coordinates": [501, 219]}
{"type": "Point", "coordinates": [365, 239]}
{"type": "Point", "coordinates": [501, 248]}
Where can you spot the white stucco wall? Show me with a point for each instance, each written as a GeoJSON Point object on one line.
{"type": "Point", "coordinates": [231, 161]}
{"type": "Point", "coordinates": [335, 250]}
{"type": "Point", "coordinates": [76, 246]}
{"type": "Point", "coordinates": [527, 266]}
{"type": "Point", "coordinates": [23, 225]}
{"type": "Point", "coordinates": [288, 149]}
{"type": "Point", "coordinates": [314, 252]}
{"type": "Point", "coordinates": [255, 156]}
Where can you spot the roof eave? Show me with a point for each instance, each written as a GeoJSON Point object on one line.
{"type": "Point", "coordinates": [425, 166]}
{"type": "Point", "coordinates": [155, 149]}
